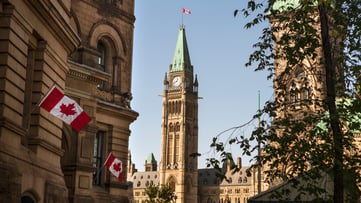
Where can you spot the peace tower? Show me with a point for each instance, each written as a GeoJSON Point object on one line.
{"type": "Point", "coordinates": [180, 125]}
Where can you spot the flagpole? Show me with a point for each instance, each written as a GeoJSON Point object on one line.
{"type": "Point", "coordinates": [185, 11]}
{"type": "Point", "coordinates": [259, 144]}
{"type": "Point", "coordinates": [182, 20]}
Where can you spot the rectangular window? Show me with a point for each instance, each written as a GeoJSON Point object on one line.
{"type": "Point", "coordinates": [98, 157]}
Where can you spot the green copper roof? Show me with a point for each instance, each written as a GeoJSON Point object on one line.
{"type": "Point", "coordinates": [181, 60]}
{"type": "Point", "coordinates": [350, 118]}
{"type": "Point", "coordinates": [282, 5]}
{"type": "Point", "coordinates": [151, 159]}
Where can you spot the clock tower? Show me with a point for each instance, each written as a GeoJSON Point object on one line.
{"type": "Point", "coordinates": [180, 125]}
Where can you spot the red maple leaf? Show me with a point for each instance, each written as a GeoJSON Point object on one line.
{"type": "Point", "coordinates": [116, 166]}
{"type": "Point", "coordinates": [67, 109]}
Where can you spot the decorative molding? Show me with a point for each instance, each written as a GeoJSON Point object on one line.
{"type": "Point", "coordinates": [12, 126]}
{"type": "Point", "coordinates": [84, 182]}
{"type": "Point", "coordinates": [113, 8]}
{"type": "Point", "coordinates": [33, 141]}
{"type": "Point", "coordinates": [84, 76]}
{"type": "Point", "coordinates": [53, 20]}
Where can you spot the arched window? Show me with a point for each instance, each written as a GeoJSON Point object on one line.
{"type": "Point", "coordinates": [102, 59]}
{"type": "Point", "coordinates": [177, 128]}
{"type": "Point", "coordinates": [305, 94]}
{"type": "Point", "coordinates": [102, 55]}
{"type": "Point", "coordinates": [293, 96]}
{"type": "Point", "coordinates": [171, 127]}
{"type": "Point", "coordinates": [300, 73]}
{"type": "Point", "coordinates": [171, 183]}
{"type": "Point", "coordinates": [109, 63]}
{"type": "Point", "coordinates": [27, 199]}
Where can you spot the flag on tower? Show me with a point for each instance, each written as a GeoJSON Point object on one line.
{"type": "Point", "coordinates": [114, 165]}
{"type": "Point", "coordinates": [61, 106]}
{"type": "Point", "coordinates": [186, 11]}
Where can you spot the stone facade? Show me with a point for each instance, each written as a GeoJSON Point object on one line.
{"type": "Point", "coordinates": [179, 140]}
{"type": "Point", "coordinates": [237, 187]}
{"type": "Point", "coordinates": [85, 48]}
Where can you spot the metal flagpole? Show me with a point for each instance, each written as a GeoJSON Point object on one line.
{"type": "Point", "coordinates": [182, 19]}
{"type": "Point", "coordinates": [259, 144]}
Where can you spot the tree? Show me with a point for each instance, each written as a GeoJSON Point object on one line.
{"type": "Point", "coordinates": [312, 50]}
{"type": "Point", "coordinates": [160, 194]}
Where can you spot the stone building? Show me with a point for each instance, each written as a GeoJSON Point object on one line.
{"type": "Point", "coordinates": [179, 140]}
{"type": "Point", "coordinates": [237, 187]}
{"type": "Point", "coordinates": [301, 98]}
{"type": "Point", "coordinates": [139, 181]}
{"type": "Point", "coordinates": [85, 48]}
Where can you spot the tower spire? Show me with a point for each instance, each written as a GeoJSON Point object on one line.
{"type": "Point", "coordinates": [181, 59]}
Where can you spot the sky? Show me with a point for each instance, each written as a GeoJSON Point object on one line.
{"type": "Point", "coordinates": [219, 47]}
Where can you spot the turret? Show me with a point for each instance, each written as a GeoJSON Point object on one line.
{"type": "Point", "coordinates": [166, 82]}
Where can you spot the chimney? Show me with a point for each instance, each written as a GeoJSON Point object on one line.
{"type": "Point", "coordinates": [239, 162]}
{"type": "Point", "coordinates": [229, 164]}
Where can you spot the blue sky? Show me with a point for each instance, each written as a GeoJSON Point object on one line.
{"type": "Point", "coordinates": [219, 46]}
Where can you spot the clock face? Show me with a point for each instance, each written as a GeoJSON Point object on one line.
{"type": "Point", "coordinates": [177, 81]}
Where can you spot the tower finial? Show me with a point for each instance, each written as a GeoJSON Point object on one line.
{"type": "Point", "coordinates": [166, 82]}
{"type": "Point", "coordinates": [196, 81]}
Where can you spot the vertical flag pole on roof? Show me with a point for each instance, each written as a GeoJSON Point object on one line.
{"type": "Point", "coordinates": [182, 17]}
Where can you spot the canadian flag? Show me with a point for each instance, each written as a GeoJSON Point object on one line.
{"type": "Point", "coordinates": [61, 106]}
{"type": "Point", "coordinates": [114, 165]}
{"type": "Point", "coordinates": [186, 11]}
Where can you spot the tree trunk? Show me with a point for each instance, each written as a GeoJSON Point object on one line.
{"type": "Point", "coordinates": [331, 81]}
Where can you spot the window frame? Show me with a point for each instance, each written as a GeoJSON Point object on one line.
{"type": "Point", "coordinates": [98, 157]}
